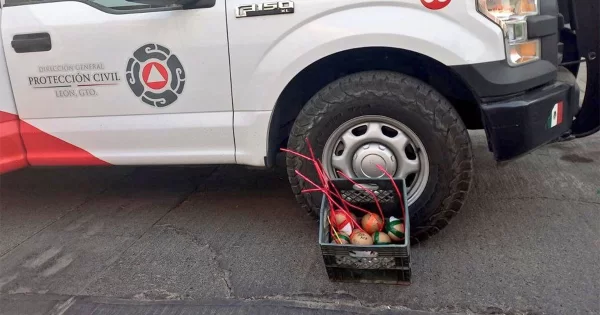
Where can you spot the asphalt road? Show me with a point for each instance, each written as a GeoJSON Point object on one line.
{"type": "Point", "coordinates": [232, 240]}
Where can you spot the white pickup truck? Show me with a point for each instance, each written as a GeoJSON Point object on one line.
{"type": "Point", "coordinates": [395, 83]}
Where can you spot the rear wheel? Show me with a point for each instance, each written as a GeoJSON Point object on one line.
{"type": "Point", "coordinates": [389, 119]}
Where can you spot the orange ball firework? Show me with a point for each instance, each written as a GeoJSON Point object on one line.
{"type": "Point", "coordinates": [372, 223]}
{"type": "Point", "coordinates": [343, 222]}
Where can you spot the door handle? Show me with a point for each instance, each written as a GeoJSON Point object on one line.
{"type": "Point", "coordinates": [33, 42]}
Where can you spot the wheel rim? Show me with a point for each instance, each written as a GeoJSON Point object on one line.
{"type": "Point", "coordinates": [362, 143]}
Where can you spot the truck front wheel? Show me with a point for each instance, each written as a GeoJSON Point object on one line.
{"type": "Point", "coordinates": [389, 119]}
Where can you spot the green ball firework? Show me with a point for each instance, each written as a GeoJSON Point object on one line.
{"type": "Point", "coordinates": [380, 238]}
{"type": "Point", "coordinates": [395, 229]}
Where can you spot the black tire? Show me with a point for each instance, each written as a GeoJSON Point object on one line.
{"type": "Point", "coordinates": [410, 101]}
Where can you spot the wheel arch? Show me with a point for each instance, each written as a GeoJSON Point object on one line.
{"type": "Point", "coordinates": [320, 73]}
{"type": "Point", "coordinates": [264, 64]}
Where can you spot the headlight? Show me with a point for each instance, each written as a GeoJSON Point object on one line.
{"type": "Point", "coordinates": [510, 15]}
{"type": "Point", "coordinates": [505, 9]}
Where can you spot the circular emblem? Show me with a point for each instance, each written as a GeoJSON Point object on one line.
{"type": "Point", "coordinates": [435, 4]}
{"type": "Point", "coordinates": [155, 75]}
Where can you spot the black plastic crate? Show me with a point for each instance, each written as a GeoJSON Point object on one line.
{"type": "Point", "coordinates": [389, 264]}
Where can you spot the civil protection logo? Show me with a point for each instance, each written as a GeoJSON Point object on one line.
{"type": "Point", "coordinates": [155, 75]}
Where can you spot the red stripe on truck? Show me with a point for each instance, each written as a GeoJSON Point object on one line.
{"type": "Point", "coordinates": [12, 153]}
{"type": "Point", "coordinates": [4, 117]}
{"type": "Point", "coordinates": [22, 144]}
{"type": "Point", "coordinates": [48, 150]}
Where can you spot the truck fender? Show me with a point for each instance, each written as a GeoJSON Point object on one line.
{"type": "Point", "coordinates": [455, 36]}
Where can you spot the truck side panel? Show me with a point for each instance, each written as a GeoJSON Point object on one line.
{"type": "Point", "coordinates": [12, 153]}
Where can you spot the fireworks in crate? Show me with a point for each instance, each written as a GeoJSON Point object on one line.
{"type": "Point", "coordinates": [344, 224]}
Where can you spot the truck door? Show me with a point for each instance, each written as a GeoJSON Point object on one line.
{"type": "Point", "coordinates": [118, 82]}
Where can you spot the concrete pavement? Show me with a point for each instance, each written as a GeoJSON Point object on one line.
{"type": "Point", "coordinates": [180, 239]}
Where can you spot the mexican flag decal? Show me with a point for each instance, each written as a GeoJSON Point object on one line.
{"type": "Point", "coordinates": [556, 116]}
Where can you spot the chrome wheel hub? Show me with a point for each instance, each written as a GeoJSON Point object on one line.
{"type": "Point", "coordinates": [369, 156]}
{"type": "Point", "coordinates": [360, 145]}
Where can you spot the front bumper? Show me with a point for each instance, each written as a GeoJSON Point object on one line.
{"type": "Point", "coordinates": [518, 125]}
